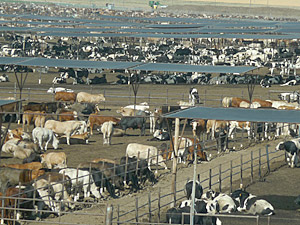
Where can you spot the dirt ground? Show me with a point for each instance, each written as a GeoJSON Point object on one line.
{"type": "Point", "coordinates": [279, 188]}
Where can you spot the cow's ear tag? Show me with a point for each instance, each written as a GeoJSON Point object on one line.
{"type": "Point", "coordinates": [240, 195]}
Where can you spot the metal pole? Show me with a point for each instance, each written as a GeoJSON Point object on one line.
{"type": "Point", "coordinates": [174, 168]}
{"type": "Point", "coordinates": [109, 215]}
{"type": "Point", "coordinates": [268, 160]}
{"type": "Point", "coordinates": [193, 190]}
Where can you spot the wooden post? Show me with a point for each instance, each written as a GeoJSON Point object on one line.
{"type": "Point", "coordinates": [109, 215]}
{"type": "Point", "coordinates": [118, 215]}
{"type": "Point", "coordinates": [158, 205]}
{"type": "Point", "coordinates": [76, 186]}
{"type": "Point", "coordinates": [220, 178]}
{"type": "Point", "coordinates": [136, 209]}
{"type": "Point", "coordinates": [230, 176]}
{"type": "Point", "coordinates": [209, 179]}
{"type": "Point", "coordinates": [90, 172]}
{"type": "Point", "coordinates": [268, 160]}
{"type": "Point", "coordinates": [114, 176]}
{"type": "Point", "coordinates": [156, 160]}
{"type": "Point", "coordinates": [174, 168]}
{"type": "Point", "coordinates": [259, 165]}
{"type": "Point", "coordinates": [192, 211]}
{"type": "Point", "coordinates": [149, 206]}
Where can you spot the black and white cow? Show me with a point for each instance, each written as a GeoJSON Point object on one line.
{"type": "Point", "coordinates": [292, 150]}
{"type": "Point", "coordinates": [194, 96]}
{"type": "Point", "coordinates": [160, 135]}
{"type": "Point", "coordinates": [225, 202]}
{"type": "Point", "coordinates": [189, 187]}
{"type": "Point", "coordinates": [251, 204]}
{"type": "Point", "coordinates": [4, 78]}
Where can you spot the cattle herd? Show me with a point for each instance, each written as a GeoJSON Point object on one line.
{"type": "Point", "coordinates": [44, 176]}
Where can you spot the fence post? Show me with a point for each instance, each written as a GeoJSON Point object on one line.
{"type": "Point", "coordinates": [90, 171]}
{"type": "Point", "coordinates": [230, 176]}
{"type": "Point", "coordinates": [118, 215]}
{"type": "Point", "coordinates": [126, 168]}
{"type": "Point", "coordinates": [242, 170]}
{"type": "Point", "coordinates": [76, 186]}
{"type": "Point", "coordinates": [136, 209]}
{"type": "Point", "coordinates": [198, 177]}
{"type": "Point", "coordinates": [137, 164]}
{"type": "Point", "coordinates": [209, 179]}
{"type": "Point", "coordinates": [109, 214]}
{"type": "Point", "coordinates": [28, 93]}
{"type": "Point", "coordinates": [167, 96]}
{"type": "Point", "coordinates": [149, 206]}
{"type": "Point", "coordinates": [205, 97]}
{"type": "Point", "coordinates": [268, 159]}
{"type": "Point", "coordinates": [156, 161]}
{"type": "Point", "coordinates": [259, 164]}
{"type": "Point", "coordinates": [251, 166]}
{"type": "Point", "coordinates": [158, 205]}
{"type": "Point", "coordinates": [114, 171]}
{"type": "Point", "coordinates": [220, 178]}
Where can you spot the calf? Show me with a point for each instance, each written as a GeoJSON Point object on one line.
{"type": "Point", "coordinates": [292, 150]}
{"type": "Point", "coordinates": [54, 159]}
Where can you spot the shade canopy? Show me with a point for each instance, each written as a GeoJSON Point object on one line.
{"type": "Point", "coordinates": [166, 67]}
{"type": "Point", "coordinates": [238, 114]}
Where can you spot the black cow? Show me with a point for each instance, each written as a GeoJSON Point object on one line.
{"type": "Point", "coordinates": [292, 149]}
{"type": "Point", "coordinates": [33, 157]}
{"type": "Point", "coordinates": [143, 171]}
{"type": "Point", "coordinates": [134, 123]}
{"type": "Point", "coordinates": [189, 187]}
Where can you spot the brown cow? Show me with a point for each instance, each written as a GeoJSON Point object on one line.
{"type": "Point", "coordinates": [67, 115]}
{"type": "Point", "coordinates": [235, 102]}
{"type": "Point", "coordinates": [65, 96]}
{"type": "Point", "coordinates": [199, 127]}
{"type": "Point", "coordinates": [30, 166]}
{"type": "Point", "coordinates": [40, 119]}
{"type": "Point", "coordinates": [258, 103]}
{"type": "Point", "coordinates": [96, 119]}
{"type": "Point", "coordinates": [186, 149]}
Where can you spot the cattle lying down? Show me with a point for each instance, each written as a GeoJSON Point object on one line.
{"type": "Point", "coordinates": [146, 152]}
{"type": "Point", "coordinates": [251, 204]}
{"type": "Point", "coordinates": [292, 149]}
{"type": "Point", "coordinates": [54, 160]}
{"type": "Point", "coordinates": [160, 135]}
{"type": "Point", "coordinates": [225, 202]}
{"type": "Point", "coordinates": [76, 139]}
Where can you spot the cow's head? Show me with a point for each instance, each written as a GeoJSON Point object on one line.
{"type": "Point", "coordinates": [280, 146]}
{"type": "Point", "coordinates": [55, 142]}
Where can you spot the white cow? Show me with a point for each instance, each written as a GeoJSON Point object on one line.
{"type": "Point", "coordinates": [135, 149]}
{"type": "Point", "coordinates": [67, 127]}
{"type": "Point", "coordinates": [142, 106]}
{"type": "Point", "coordinates": [41, 135]}
{"type": "Point", "coordinates": [81, 178]}
{"type": "Point", "coordinates": [107, 130]}
{"type": "Point", "coordinates": [59, 89]}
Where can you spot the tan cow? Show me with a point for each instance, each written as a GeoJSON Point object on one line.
{"type": "Point", "coordinates": [54, 160]}
{"type": "Point", "coordinates": [84, 97]}
{"type": "Point", "coordinates": [28, 117]}
{"type": "Point", "coordinates": [127, 111]}
{"type": "Point", "coordinates": [40, 119]}
{"type": "Point", "coordinates": [213, 125]}
{"type": "Point", "coordinates": [66, 128]}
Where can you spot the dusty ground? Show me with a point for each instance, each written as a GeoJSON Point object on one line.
{"type": "Point", "coordinates": [83, 153]}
